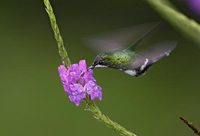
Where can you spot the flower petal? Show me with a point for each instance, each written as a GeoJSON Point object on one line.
{"type": "Point", "coordinates": [82, 65]}
{"type": "Point", "coordinates": [73, 73]}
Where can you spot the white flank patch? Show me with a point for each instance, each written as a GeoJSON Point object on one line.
{"type": "Point", "coordinates": [167, 53]}
{"type": "Point", "coordinates": [130, 72]}
{"type": "Point", "coordinates": [100, 66]}
{"type": "Point", "coordinates": [144, 65]}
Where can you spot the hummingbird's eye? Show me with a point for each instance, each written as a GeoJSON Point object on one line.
{"type": "Point", "coordinates": [100, 62]}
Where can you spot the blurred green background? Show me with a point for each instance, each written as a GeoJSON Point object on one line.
{"type": "Point", "coordinates": [32, 100]}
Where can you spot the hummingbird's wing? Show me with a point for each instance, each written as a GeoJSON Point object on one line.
{"type": "Point", "coordinates": [119, 39]}
{"type": "Point", "coordinates": [144, 59]}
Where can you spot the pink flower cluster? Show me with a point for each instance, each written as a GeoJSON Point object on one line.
{"type": "Point", "coordinates": [79, 82]}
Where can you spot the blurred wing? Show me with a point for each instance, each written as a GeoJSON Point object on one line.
{"type": "Point", "coordinates": [118, 39]}
{"type": "Point", "coordinates": [149, 56]}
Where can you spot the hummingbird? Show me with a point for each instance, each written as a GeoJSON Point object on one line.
{"type": "Point", "coordinates": [129, 60]}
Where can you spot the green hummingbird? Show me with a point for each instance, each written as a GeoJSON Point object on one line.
{"type": "Point", "coordinates": [129, 59]}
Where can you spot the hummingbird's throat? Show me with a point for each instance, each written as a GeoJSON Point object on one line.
{"type": "Point", "coordinates": [97, 66]}
{"type": "Point", "coordinates": [100, 66]}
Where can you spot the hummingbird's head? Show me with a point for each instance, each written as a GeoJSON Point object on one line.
{"type": "Point", "coordinates": [100, 61]}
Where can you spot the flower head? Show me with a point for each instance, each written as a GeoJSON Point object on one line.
{"type": "Point", "coordinates": [79, 82]}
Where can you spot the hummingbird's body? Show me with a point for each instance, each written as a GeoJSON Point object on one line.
{"type": "Point", "coordinates": [118, 59]}
{"type": "Point", "coordinates": [129, 60]}
{"type": "Point", "coordinates": [121, 60]}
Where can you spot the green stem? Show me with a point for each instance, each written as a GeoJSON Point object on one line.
{"type": "Point", "coordinates": [61, 48]}
{"type": "Point", "coordinates": [65, 59]}
{"type": "Point", "coordinates": [105, 119]}
{"type": "Point", "coordinates": [189, 27]}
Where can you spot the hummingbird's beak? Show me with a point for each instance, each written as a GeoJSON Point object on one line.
{"type": "Point", "coordinates": [91, 67]}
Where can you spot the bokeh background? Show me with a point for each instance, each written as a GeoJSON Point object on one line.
{"type": "Point", "coordinates": [32, 100]}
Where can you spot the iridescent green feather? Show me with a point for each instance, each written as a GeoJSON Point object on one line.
{"type": "Point", "coordinates": [119, 58]}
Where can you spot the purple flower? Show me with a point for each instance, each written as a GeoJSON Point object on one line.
{"type": "Point", "coordinates": [79, 82]}
{"type": "Point", "coordinates": [194, 5]}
